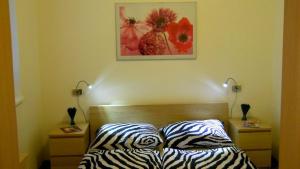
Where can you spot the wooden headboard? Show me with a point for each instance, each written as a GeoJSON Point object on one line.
{"type": "Point", "coordinates": [158, 115]}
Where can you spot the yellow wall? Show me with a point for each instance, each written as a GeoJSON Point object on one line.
{"type": "Point", "coordinates": [29, 114]}
{"type": "Point", "coordinates": [241, 39]}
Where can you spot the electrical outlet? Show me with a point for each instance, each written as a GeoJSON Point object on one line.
{"type": "Point", "coordinates": [77, 92]}
{"type": "Point", "coordinates": [236, 88]}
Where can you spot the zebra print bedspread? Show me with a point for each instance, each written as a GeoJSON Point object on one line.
{"type": "Point", "coordinates": [220, 158]}
{"type": "Point", "coordinates": [195, 134]}
{"type": "Point", "coordinates": [125, 159]}
{"type": "Point", "coordinates": [126, 136]}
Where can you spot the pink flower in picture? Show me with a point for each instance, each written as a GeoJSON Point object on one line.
{"type": "Point", "coordinates": [181, 35]}
{"type": "Point", "coordinates": [159, 19]}
{"type": "Point", "coordinates": [131, 31]}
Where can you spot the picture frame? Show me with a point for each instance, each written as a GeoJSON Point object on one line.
{"type": "Point", "coordinates": [156, 31]}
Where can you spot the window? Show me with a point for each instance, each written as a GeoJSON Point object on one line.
{"type": "Point", "coordinates": [15, 51]}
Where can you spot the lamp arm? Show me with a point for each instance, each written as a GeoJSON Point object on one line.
{"type": "Point", "coordinates": [77, 98]}
{"type": "Point", "coordinates": [82, 81]}
{"type": "Point", "coordinates": [235, 88]}
{"type": "Point", "coordinates": [230, 78]}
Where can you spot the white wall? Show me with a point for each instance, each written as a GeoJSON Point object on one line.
{"type": "Point", "coordinates": [241, 39]}
{"type": "Point", "coordinates": [29, 114]}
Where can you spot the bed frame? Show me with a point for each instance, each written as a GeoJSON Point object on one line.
{"type": "Point", "coordinates": [158, 115]}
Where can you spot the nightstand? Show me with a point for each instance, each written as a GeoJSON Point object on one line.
{"type": "Point", "coordinates": [67, 149]}
{"type": "Point", "coordinates": [256, 142]}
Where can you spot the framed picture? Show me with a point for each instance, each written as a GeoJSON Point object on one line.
{"type": "Point", "coordinates": [160, 30]}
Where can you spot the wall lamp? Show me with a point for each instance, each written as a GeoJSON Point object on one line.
{"type": "Point", "coordinates": [235, 88]}
{"type": "Point", "coordinates": [78, 92]}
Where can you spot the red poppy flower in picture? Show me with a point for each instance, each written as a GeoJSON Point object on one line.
{"type": "Point", "coordinates": [156, 30]}
{"type": "Point", "coordinates": [181, 35]}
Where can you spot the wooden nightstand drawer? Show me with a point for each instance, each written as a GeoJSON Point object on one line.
{"type": "Point", "coordinates": [67, 149]}
{"type": "Point", "coordinates": [254, 140]}
{"type": "Point", "coordinates": [71, 162]}
{"type": "Point", "coordinates": [70, 146]}
{"type": "Point", "coordinates": [260, 158]}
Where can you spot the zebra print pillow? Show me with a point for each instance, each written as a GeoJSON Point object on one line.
{"type": "Point", "coordinates": [196, 134]}
{"type": "Point", "coordinates": [126, 159]}
{"type": "Point", "coordinates": [126, 136]}
{"type": "Point", "coordinates": [227, 157]}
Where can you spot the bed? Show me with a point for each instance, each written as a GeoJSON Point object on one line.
{"type": "Point", "coordinates": [213, 150]}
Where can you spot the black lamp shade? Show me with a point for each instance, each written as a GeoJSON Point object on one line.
{"type": "Point", "coordinates": [245, 108]}
{"type": "Point", "coordinates": [72, 113]}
